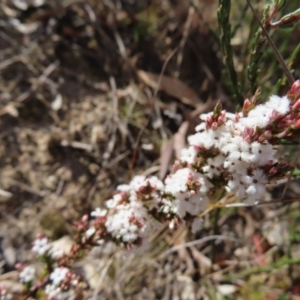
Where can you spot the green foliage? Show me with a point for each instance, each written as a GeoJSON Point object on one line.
{"type": "Point", "coordinates": [297, 173]}
{"type": "Point", "coordinates": [294, 217]}
{"type": "Point", "coordinates": [225, 40]}
{"type": "Point", "coordinates": [147, 25]}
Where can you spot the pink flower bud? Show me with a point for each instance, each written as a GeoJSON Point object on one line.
{"type": "Point", "coordinates": [171, 225]}
{"type": "Point", "coordinates": [295, 89]}
{"type": "Point", "coordinates": [247, 105]}
{"type": "Point", "coordinates": [282, 134]}
{"type": "Point", "coordinates": [296, 105]}
{"type": "Point", "coordinates": [176, 166]}
{"type": "Point", "coordinates": [274, 115]}
{"type": "Point", "coordinates": [209, 122]}
{"type": "Point", "coordinates": [248, 139]}
{"type": "Point", "coordinates": [237, 117]}
{"type": "Point", "coordinates": [296, 125]}
{"type": "Point", "coordinates": [214, 126]}
{"type": "Point", "coordinates": [273, 171]}
{"type": "Point", "coordinates": [268, 134]}
{"type": "Point", "coordinates": [222, 118]}
{"type": "Point", "coordinates": [84, 218]}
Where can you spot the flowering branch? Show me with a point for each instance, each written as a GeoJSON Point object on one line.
{"type": "Point", "coordinates": [228, 153]}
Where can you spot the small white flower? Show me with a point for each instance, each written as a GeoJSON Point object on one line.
{"type": "Point", "coordinates": [188, 155]}
{"type": "Point", "coordinates": [90, 231]}
{"type": "Point", "coordinates": [56, 253]}
{"type": "Point", "coordinates": [58, 275]}
{"type": "Point", "coordinates": [41, 246]}
{"type": "Point", "coordinates": [137, 182]}
{"type": "Point", "coordinates": [52, 291]}
{"type": "Point", "coordinates": [154, 181]}
{"type": "Point", "coordinates": [98, 212]}
{"type": "Point", "coordinates": [27, 274]}
{"type": "Point", "coordinates": [204, 117]}
{"type": "Point", "coordinates": [251, 190]}
{"type": "Point", "coordinates": [176, 183]}
{"type": "Point", "coordinates": [279, 104]}
{"type": "Point", "coordinates": [204, 139]}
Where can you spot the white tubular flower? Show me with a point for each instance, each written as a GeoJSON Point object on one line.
{"type": "Point", "coordinates": [90, 231]}
{"type": "Point", "coordinates": [58, 275]}
{"type": "Point", "coordinates": [27, 274]}
{"type": "Point", "coordinates": [205, 139]}
{"type": "Point", "coordinates": [41, 246]}
{"type": "Point", "coordinates": [52, 291]}
{"type": "Point", "coordinates": [137, 182]}
{"type": "Point", "coordinates": [155, 183]}
{"type": "Point", "coordinates": [98, 212]}
{"type": "Point", "coordinates": [131, 222]}
{"type": "Point", "coordinates": [113, 203]}
{"type": "Point", "coordinates": [177, 183]}
{"type": "Point", "coordinates": [123, 224]}
{"type": "Point", "coordinates": [279, 104]}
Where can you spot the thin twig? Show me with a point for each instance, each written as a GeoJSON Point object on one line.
{"type": "Point", "coordinates": [257, 203]}
{"type": "Point", "coordinates": [286, 70]}
{"type": "Point", "coordinates": [197, 242]}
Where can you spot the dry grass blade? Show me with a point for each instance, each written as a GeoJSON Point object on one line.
{"type": "Point", "coordinates": [171, 86]}
{"type": "Point", "coordinates": [197, 242]}
{"type": "Point", "coordinates": [180, 138]}
{"type": "Point", "coordinates": [166, 154]}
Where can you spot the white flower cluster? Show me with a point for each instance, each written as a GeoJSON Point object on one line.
{"type": "Point", "coordinates": [44, 247]}
{"type": "Point", "coordinates": [261, 114]}
{"type": "Point", "coordinates": [186, 184]}
{"type": "Point", "coordinates": [131, 220]}
{"type": "Point", "coordinates": [41, 246]}
{"type": "Point", "coordinates": [27, 274]}
{"type": "Point", "coordinates": [53, 290]}
{"type": "Point", "coordinates": [228, 151]}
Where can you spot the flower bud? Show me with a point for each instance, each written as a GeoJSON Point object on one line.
{"type": "Point", "coordinates": [246, 107]}
{"type": "Point", "coordinates": [214, 126]}
{"type": "Point", "coordinates": [273, 171]}
{"type": "Point", "coordinates": [295, 89]}
{"type": "Point", "coordinates": [247, 139]}
{"type": "Point", "coordinates": [296, 125]}
{"type": "Point", "coordinates": [296, 105]}
{"type": "Point", "coordinates": [282, 134]}
{"type": "Point", "coordinates": [85, 218]}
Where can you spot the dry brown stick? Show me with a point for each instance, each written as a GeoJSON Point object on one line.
{"type": "Point", "coordinates": [25, 187]}
{"type": "Point", "coordinates": [39, 81]}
